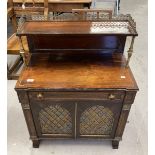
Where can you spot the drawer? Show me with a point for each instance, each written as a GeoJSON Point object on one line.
{"type": "Point", "coordinates": [105, 95]}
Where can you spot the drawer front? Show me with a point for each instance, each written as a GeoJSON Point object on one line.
{"type": "Point", "coordinates": [105, 95]}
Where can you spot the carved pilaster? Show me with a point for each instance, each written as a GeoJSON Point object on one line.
{"type": "Point", "coordinates": [23, 99]}
{"type": "Point", "coordinates": [128, 100]}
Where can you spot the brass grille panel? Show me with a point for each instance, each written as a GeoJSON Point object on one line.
{"type": "Point", "coordinates": [55, 120]}
{"type": "Point", "coordinates": [96, 120]}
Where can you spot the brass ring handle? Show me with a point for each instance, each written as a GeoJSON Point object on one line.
{"type": "Point", "coordinates": [39, 96]}
{"type": "Point", "coordinates": [111, 96]}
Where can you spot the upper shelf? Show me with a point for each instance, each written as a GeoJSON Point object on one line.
{"type": "Point", "coordinates": [123, 25]}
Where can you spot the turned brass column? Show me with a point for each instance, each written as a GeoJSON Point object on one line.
{"type": "Point", "coordinates": [130, 51]}
{"type": "Point", "coordinates": [22, 51]}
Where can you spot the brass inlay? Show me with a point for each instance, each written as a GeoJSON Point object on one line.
{"type": "Point", "coordinates": [126, 106]}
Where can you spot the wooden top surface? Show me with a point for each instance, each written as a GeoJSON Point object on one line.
{"type": "Point", "coordinates": [75, 27]}
{"type": "Point", "coordinates": [54, 1]}
{"type": "Point", "coordinates": [76, 72]}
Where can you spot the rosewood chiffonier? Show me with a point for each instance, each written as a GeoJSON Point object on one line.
{"type": "Point", "coordinates": [76, 82]}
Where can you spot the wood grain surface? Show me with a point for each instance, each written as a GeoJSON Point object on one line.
{"type": "Point", "coordinates": [74, 27]}
{"type": "Point", "coordinates": [76, 71]}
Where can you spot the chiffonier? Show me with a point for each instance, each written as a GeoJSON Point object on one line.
{"type": "Point", "coordinates": [76, 82]}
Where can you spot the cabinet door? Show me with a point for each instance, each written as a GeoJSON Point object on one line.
{"type": "Point", "coordinates": [97, 118]}
{"type": "Point", "coordinates": [52, 117]}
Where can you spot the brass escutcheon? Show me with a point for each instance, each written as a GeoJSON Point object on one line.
{"type": "Point", "coordinates": [111, 96]}
{"type": "Point", "coordinates": [39, 96]}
